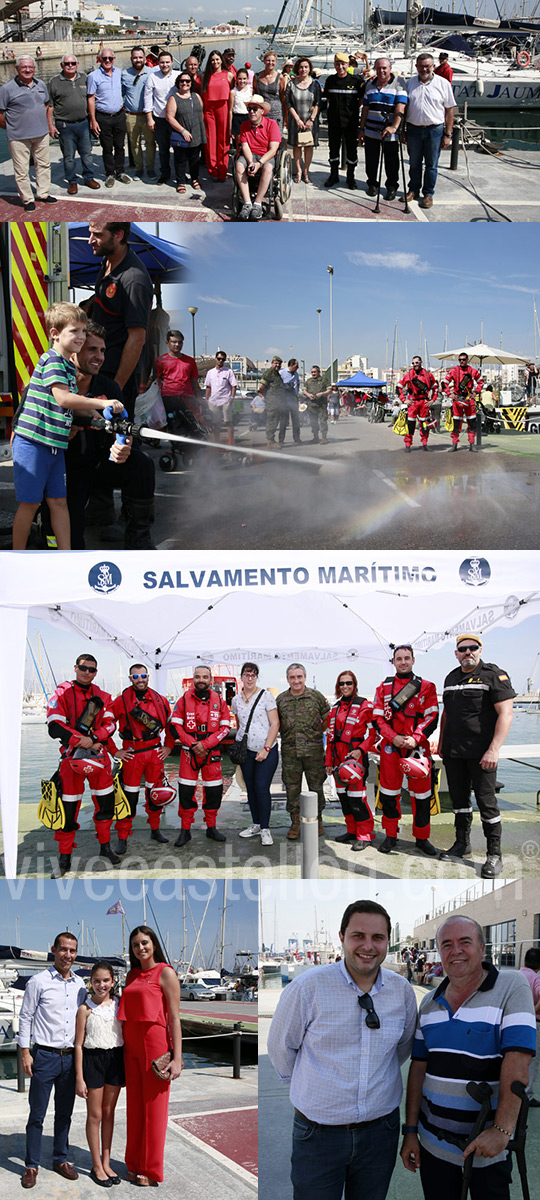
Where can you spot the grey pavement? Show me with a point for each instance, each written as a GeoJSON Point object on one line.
{"type": "Point", "coordinates": [191, 1170]}
{"type": "Point", "coordinates": [275, 1127]}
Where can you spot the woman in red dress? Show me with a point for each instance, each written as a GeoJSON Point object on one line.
{"type": "Point", "coordinates": [216, 90]}
{"type": "Point", "coordinates": [150, 1011]}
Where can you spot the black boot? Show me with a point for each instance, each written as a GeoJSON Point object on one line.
{"type": "Point", "coordinates": [426, 848]}
{"type": "Point", "coordinates": [351, 181]}
{"type": "Point", "coordinates": [183, 837]}
{"type": "Point", "coordinates": [100, 508]}
{"type": "Point", "coordinates": [333, 177]}
{"type": "Point", "coordinates": [106, 852]}
{"type": "Point", "coordinates": [346, 838]}
{"type": "Point", "coordinates": [157, 836]}
{"type": "Point", "coordinates": [493, 864]}
{"type": "Point", "coordinates": [122, 846]}
{"type": "Point", "coordinates": [389, 844]}
{"type": "Point", "coordinates": [140, 516]}
{"type": "Point", "coordinates": [64, 865]}
{"type": "Point", "coordinates": [215, 835]}
{"type": "Point", "coordinates": [462, 845]}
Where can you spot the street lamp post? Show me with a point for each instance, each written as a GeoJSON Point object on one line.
{"type": "Point", "coordinates": [331, 274]}
{"type": "Point", "coordinates": [193, 312]}
{"type": "Point", "coordinates": [319, 311]}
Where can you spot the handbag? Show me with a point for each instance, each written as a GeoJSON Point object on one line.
{"type": "Point", "coordinates": [305, 137]}
{"type": "Point", "coordinates": [159, 1065]}
{"type": "Point", "coordinates": [238, 750]}
{"type": "Point", "coordinates": [178, 139]}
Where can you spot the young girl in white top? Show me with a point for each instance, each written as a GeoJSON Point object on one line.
{"type": "Point", "coordinates": [99, 1067]}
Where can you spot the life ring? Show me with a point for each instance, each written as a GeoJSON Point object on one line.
{"type": "Point", "coordinates": [523, 59]}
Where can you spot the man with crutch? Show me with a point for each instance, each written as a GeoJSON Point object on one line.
{"type": "Point", "coordinates": [477, 1025]}
{"type": "Point", "coordinates": [384, 103]}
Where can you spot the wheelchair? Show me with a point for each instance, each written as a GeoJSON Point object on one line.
{"type": "Point", "coordinates": [182, 421]}
{"type": "Point", "coordinates": [279, 188]}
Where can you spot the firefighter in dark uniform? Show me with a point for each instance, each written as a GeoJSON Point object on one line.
{"type": "Point", "coordinates": [200, 721]}
{"type": "Point", "coordinates": [478, 708]}
{"type": "Point", "coordinates": [343, 94]}
{"type": "Point", "coordinates": [418, 389]}
{"type": "Point", "coordinates": [80, 715]}
{"type": "Point", "coordinates": [142, 715]}
{"type": "Point", "coordinates": [405, 712]}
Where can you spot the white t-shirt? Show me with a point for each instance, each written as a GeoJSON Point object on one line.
{"type": "Point", "coordinates": [258, 730]}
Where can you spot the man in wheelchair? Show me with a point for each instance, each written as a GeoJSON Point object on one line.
{"type": "Point", "coordinates": [259, 139]}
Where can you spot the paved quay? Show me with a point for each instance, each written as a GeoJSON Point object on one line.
{"type": "Point", "coordinates": [485, 187]}
{"type": "Point", "coordinates": [211, 1146]}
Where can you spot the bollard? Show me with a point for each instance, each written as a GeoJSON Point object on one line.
{"type": "Point", "coordinates": [309, 826]}
{"type": "Point", "coordinates": [237, 1051]}
{"type": "Point", "coordinates": [454, 150]}
{"type": "Point", "coordinates": [21, 1077]}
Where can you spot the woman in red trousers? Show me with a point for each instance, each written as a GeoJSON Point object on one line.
{"type": "Point", "coordinates": [216, 90]}
{"type": "Point", "coordinates": [150, 1011]}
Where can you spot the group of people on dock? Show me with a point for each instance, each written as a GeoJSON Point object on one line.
{"type": "Point", "coordinates": [91, 1043]}
{"type": "Point", "coordinates": [203, 115]}
{"type": "Point", "coordinates": [317, 740]}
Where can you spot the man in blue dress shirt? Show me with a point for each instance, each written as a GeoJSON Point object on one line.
{"type": "Point", "coordinates": [50, 1003]}
{"type": "Point", "coordinates": [339, 1036]}
{"type": "Point", "coordinates": [107, 116]}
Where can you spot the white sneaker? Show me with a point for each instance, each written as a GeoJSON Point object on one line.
{"type": "Point", "coordinates": [251, 831]}
{"type": "Point", "coordinates": [266, 838]}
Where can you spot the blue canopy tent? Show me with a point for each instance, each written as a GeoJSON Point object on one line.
{"type": "Point", "coordinates": [165, 261]}
{"type": "Point", "coordinates": [361, 380]}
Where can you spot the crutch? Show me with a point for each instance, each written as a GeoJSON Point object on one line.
{"type": "Point", "coordinates": [517, 1143]}
{"type": "Point", "coordinates": [377, 208]}
{"type": "Point", "coordinates": [482, 1093]}
{"type": "Point", "coordinates": [406, 209]}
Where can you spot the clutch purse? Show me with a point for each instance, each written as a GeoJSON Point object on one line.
{"type": "Point", "coordinates": [305, 137]}
{"type": "Point", "coordinates": [159, 1065]}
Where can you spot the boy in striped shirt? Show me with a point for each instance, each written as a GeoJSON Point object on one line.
{"type": "Point", "coordinates": [43, 426]}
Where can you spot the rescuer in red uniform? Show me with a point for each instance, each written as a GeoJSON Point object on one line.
{"type": "Point", "coordinates": [348, 739]}
{"type": "Point", "coordinates": [200, 721]}
{"type": "Point", "coordinates": [418, 389]}
{"type": "Point", "coordinates": [463, 383]}
{"type": "Point", "coordinates": [141, 715]}
{"type": "Point", "coordinates": [405, 712]}
{"type": "Point", "coordinates": [80, 715]}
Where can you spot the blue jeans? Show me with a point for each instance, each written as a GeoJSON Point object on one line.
{"type": "Point", "coordinates": [258, 777]}
{"type": "Point", "coordinates": [50, 1070]}
{"type": "Point", "coordinates": [424, 144]}
{"type": "Point", "coordinates": [75, 135]}
{"type": "Point", "coordinates": [328, 1158]}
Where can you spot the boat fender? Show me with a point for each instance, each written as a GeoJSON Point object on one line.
{"type": "Point", "coordinates": [479, 87]}
{"type": "Point", "coordinates": [523, 59]}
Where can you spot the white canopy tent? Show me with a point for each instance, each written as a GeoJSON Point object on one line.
{"type": "Point", "coordinates": [178, 609]}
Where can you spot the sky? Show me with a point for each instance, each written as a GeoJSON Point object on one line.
{"type": "Point", "coordinates": [258, 289]}
{"type": "Point", "coordinates": [46, 907]}
{"type": "Point", "coordinates": [212, 12]}
{"type": "Point", "coordinates": [292, 908]}
{"type": "Point", "coordinates": [516, 649]}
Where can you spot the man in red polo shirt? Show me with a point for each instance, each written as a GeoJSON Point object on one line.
{"type": "Point", "coordinates": [260, 138]}
{"type": "Point", "coordinates": [178, 377]}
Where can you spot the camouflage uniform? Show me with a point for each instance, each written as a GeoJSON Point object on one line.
{"type": "Point", "coordinates": [302, 720]}
{"type": "Point", "coordinates": [274, 397]}
{"type": "Point", "coordinates": [317, 407]}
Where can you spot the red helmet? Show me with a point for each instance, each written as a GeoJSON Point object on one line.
{"type": "Point", "coordinates": [163, 792]}
{"type": "Point", "coordinates": [84, 762]}
{"type": "Point", "coordinates": [351, 771]}
{"type": "Point", "coordinates": [416, 765]}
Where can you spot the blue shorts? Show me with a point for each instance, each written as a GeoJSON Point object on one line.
{"type": "Point", "coordinates": [38, 471]}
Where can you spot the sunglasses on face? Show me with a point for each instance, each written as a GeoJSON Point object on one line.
{"type": "Point", "coordinates": [71, 64]}
{"type": "Point", "coordinates": [467, 649]}
{"type": "Point", "coordinates": [346, 683]}
{"type": "Point", "coordinates": [372, 1020]}
{"type": "Point", "coordinates": [107, 58]}
{"type": "Point", "coordinates": [89, 670]}
{"type": "Point", "coordinates": [139, 676]}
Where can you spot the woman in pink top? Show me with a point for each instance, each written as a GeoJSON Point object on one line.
{"type": "Point", "coordinates": [216, 90]}
{"type": "Point", "coordinates": [150, 1011]}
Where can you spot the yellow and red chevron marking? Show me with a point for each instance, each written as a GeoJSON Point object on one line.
{"type": "Point", "coordinates": [514, 418]}
{"type": "Point", "coordinates": [29, 296]}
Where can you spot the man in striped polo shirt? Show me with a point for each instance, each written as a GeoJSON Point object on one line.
{"type": "Point", "coordinates": [478, 1025]}
{"type": "Point", "coordinates": [384, 104]}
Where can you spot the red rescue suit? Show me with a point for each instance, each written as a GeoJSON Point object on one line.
{"type": "Point", "coordinates": [144, 744]}
{"type": "Point", "coordinates": [207, 721]}
{"type": "Point", "coordinates": [412, 391]}
{"type": "Point", "coordinates": [349, 728]}
{"type": "Point", "coordinates": [463, 384]}
{"type": "Point", "coordinates": [64, 710]}
{"type": "Point", "coordinates": [417, 719]}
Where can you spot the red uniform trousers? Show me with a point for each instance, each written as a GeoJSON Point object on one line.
{"type": "Point", "coordinates": [353, 800]}
{"type": "Point", "coordinates": [391, 782]}
{"type": "Point", "coordinates": [212, 780]}
{"type": "Point", "coordinates": [417, 409]}
{"type": "Point", "coordinates": [102, 789]}
{"type": "Point", "coordinates": [147, 1098]}
{"type": "Point", "coordinates": [464, 409]}
{"type": "Point", "coordinates": [216, 119]}
{"type": "Point", "coordinates": [147, 763]}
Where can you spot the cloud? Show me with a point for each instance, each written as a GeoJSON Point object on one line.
{"type": "Point", "coordinates": [221, 300]}
{"type": "Point", "coordinates": [393, 261]}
